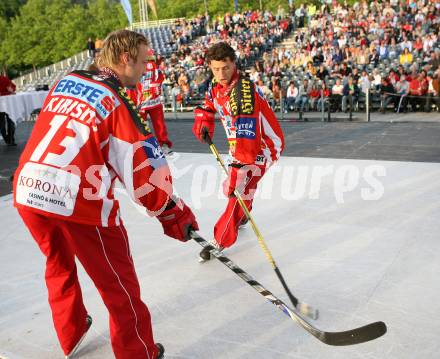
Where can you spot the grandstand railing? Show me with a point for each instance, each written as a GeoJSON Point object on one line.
{"type": "Point", "coordinates": [154, 23]}
{"type": "Point", "coordinates": [41, 73]}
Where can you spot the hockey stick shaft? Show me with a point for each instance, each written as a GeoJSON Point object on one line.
{"type": "Point", "coordinates": [350, 337]}
{"type": "Point", "coordinates": [307, 309]}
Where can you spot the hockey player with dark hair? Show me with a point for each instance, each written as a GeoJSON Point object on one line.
{"type": "Point", "coordinates": [87, 135]}
{"type": "Point", "coordinates": [254, 135]}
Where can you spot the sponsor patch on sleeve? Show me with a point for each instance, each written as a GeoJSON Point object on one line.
{"type": "Point", "coordinates": [246, 127]}
{"type": "Point", "coordinates": [154, 152]}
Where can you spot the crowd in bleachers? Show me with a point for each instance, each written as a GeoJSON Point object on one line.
{"type": "Point", "coordinates": [338, 53]}
{"type": "Point", "coordinates": [251, 34]}
{"type": "Point", "coordinates": [389, 48]}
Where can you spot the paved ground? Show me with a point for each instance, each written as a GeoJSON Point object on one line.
{"type": "Point", "coordinates": [359, 251]}
{"type": "Point", "coordinates": [409, 137]}
{"type": "Point", "coordinates": [359, 243]}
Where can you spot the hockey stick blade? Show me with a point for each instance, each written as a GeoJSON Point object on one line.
{"type": "Point", "coordinates": [356, 336]}
{"type": "Point", "coordinates": [350, 337]}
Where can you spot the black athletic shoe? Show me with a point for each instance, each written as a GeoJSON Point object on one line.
{"type": "Point", "coordinates": [204, 255]}
{"type": "Point", "coordinates": [75, 348]}
{"type": "Point", "coordinates": [160, 351]}
{"type": "Point", "coordinates": [243, 223]}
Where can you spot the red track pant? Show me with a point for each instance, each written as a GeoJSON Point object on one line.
{"type": "Point", "coordinates": [158, 121]}
{"type": "Point", "coordinates": [226, 228]}
{"type": "Point", "coordinates": [105, 255]}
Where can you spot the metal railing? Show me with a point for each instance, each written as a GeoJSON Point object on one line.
{"type": "Point", "coordinates": [41, 73]}
{"type": "Point", "coordinates": [154, 23]}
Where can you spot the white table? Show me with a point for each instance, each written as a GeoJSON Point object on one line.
{"type": "Point", "coordinates": [19, 106]}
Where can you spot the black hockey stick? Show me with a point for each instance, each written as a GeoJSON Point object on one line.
{"type": "Point", "coordinates": [350, 337]}
{"type": "Point", "coordinates": [301, 307]}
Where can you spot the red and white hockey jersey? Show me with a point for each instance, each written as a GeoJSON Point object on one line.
{"type": "Point", "coordinates": [87, 135]}
{"type": "Point", "coordinates": [252, 129]}
{"type": "Point", "coordinates": [147, 93]}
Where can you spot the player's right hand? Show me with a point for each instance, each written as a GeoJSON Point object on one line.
{"type": "Point", "coordinates": [178, 220]}
{"type": "Point", "coordinates": [203, 118]}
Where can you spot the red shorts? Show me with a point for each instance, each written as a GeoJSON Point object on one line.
{"type": "Point", "coordinates": [104, 253]}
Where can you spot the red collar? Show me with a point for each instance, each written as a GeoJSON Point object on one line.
{"type": "Point", "coordinates": [108, 72]}
{"type": "Point", "coordinates": [226, 90]}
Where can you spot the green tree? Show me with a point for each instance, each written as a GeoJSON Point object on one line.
{"type": "Point", "coordinates": [44, 33]}
{"type": "Point", "coordinates": [105, 16]}
{"type": "Point", "coordinates": [3, 30]}
{"type": "Point", "coordinates": [47, 31]}
{"type": "Point", "coordinates": [9, 8]}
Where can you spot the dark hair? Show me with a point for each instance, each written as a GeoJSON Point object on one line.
{"type": "Point", "coordinates": [220, 52]}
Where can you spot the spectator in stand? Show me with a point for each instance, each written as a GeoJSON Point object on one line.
{"type": "Point", "coordinates": [377, 80]}
{"type": "Point", "coordinates": [363, 56]}
{"type": "Point", "coordinates": [311, 11]}
{"type": "Point", "coordinates": [300, 14]}
{"type": "Point", "coordinates": [418, 45]}
{"type": "Point", "coordinates": [7, 87]}
{"type": "Point", "coordinates": [402, 89]}
{"type": "Point", "coordinates": [7, 126]}
{"type": "Point", "coordinates": [277, 93]}
{"type": "Point", "coordinates": [318, 58]}
{"type": "Point", "coordinates": [387, 94]}
{"type": "Point", "coordinates": [302, 99]}
{"type": "Point", "coordinates": [406, 43]}
{"type": "Point", "coordinates": [364, 83]}
{"type": "Point", "coordinates": [393, 77]}
{"type": "Point", "coordinates": [434, 61]}
{"type": "Point", "coordinates": [336, 73]}
{"type": "Point", "coordinates": [433, 92]}
{"type": "Point", "coordinates": [337, 93]}
{"type": "Point", "coordinates": [176, 96]}
{"type": "Point", "coordinates": [345, 70]}
{"type": "Point", "coordinates": [383, 50]}
{"type": "Point", "coordinates": [338, 55]}
{"type": "Point", "coordinates": [350, 95]}
{"type": "Point", "coordinates": [394, 50]}
{"type": "Point", "coordinates": [374, 57]}
{"type": "Point", "coordinates": [267, 93]}
{"type": "Point", "coordinates": [314, 96]}
{"type": "Point", "coordinates": [322, 72]}
{"type": "Point", "coordinates": [310, 70]}
{"type": "Point", "coordinates": [201, 81]}
{"type": "Point", "coordinates": [281, 13]}
{"type": "Point", "coordinates": [355, 74]}
{"type": "Point", "coordinates": [291, 95]}
{"type": "Point", "coordinates": [184, 86]}
{"type": "Point", "coordinates": [254, 75]}
{"type": "Point", "coordinates": [348, 54]}
{"type": "Point", "coordinates": [417, 87]}
{"type": "Point", "coordinates": [324, 94]}
{"type": "Point", "coordinates": [406, 58]}
{"type": "Point", "coordinates": [91, 48]}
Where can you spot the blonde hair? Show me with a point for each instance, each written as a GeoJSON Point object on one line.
{"type": "Point", "coordinates": [118, 42]}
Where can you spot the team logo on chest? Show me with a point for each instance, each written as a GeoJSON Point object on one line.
{"type": "Point", "coordinates": [246, 127]}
